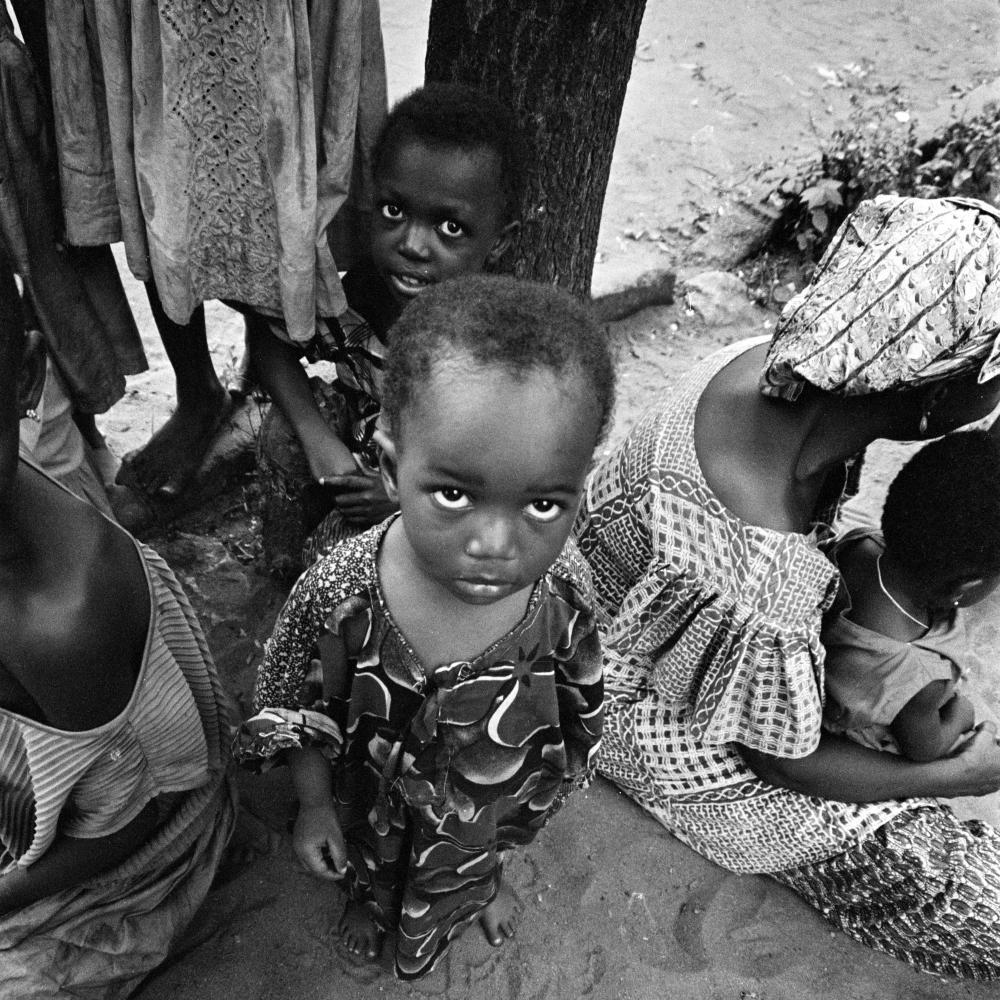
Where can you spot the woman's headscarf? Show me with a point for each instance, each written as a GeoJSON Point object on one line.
{"type": "Point", "coordinates": [907, 292]}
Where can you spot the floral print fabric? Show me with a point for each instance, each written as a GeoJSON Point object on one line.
{"type": "Point", "coordinates": [438, 772]}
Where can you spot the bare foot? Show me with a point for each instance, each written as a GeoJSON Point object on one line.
{"type": "Point", "coordinates": [501, 917]}
{"type": "Point", "coordinates": [170, 459]}
{"type": "Point", "coordinates": [359, 934]}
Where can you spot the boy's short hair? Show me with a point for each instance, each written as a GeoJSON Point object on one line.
{"type": "Point", "coordinates": [453, 114]}
{"type": "Point", "coordinates": [941, 518]}
{"type": "Point", "coordinates": [518, 326]}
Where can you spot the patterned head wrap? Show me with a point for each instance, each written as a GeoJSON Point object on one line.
{"type": "Point", "coordinates": [907, 292]}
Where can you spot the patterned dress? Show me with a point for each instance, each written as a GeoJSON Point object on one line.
{"type": "Point", "coordinates": [435, 774]}
{"type": "Point", "coordinates": [711, 628]}
{"type": "Point", "coordinates": [227, 144]}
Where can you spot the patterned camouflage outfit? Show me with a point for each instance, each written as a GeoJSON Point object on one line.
{"type": "Point", "coordinates": [436, 772]}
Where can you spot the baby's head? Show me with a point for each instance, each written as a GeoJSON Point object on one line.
{"type": "Point", "coordinates": [449, 169]}
{"type": "Point", "coordinates": [941, 520]}
{"type": "Point", "coordinates": [496, 394]}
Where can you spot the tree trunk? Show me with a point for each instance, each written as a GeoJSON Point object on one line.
{"type": "Point", "coordinates": [563, 66]}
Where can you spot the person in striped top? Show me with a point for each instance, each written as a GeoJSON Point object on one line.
{"type": "Point", "coordinates": [115, 805]}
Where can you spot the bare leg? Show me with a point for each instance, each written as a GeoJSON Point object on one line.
{"type": "Point", "coordinates": [501, 917]}
{"type": "Point", "coordinates": [172, 456]}
{"type": "Point", "coordinates": [359, 934]}
{"type": "Point", "coordinates": [243, 381]}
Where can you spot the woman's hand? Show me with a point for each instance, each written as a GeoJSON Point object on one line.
{"type": "Point", "coordinates": [318, 841]}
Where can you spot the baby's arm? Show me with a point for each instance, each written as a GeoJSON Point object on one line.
{"type": "Point", "coordinates": [929, 725]}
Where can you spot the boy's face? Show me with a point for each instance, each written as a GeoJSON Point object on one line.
{"type": "Point", "coordinates": [439, 213]}
{"type": "Point", "coordinates": [488, 476]}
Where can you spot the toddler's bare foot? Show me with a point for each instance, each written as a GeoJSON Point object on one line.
{"type": "Point", "coordinates": [501, 917]}
{"type": "Point", "coordinates": [359, 934]}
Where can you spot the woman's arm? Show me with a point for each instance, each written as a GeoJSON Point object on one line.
{"type": "Point", "coordinates": [72, 860]}
{"type": "Point", "coordinates": [842, 770]}
{"type": "Point", "coordinates": [931, 722]}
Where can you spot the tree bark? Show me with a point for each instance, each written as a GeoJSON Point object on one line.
{"type": "Point", "coordinates": [563, 66]}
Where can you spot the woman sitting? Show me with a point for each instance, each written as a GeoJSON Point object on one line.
{"type": "Point", "coordinates": [703, 530]}
{"type": "Point", "coordinates": [114, 802]}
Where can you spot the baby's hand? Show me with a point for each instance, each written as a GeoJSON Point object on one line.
{"type": "Point", "coordinates": [979, 761]}
{"type": "Point", "coordinates": [318, 842]}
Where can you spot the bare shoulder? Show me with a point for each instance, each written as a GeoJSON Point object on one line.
{"type": "Point", "coordinates": [746, 445]}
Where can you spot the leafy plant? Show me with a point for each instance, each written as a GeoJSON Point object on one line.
{"type": "Point", "coordinates": [877, 152]}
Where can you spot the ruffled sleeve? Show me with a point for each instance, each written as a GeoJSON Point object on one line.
{"type": "Point", "coordinates": [699, 607]}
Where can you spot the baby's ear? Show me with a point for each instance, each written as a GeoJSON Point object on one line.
{"type": "Point", "coordinates": [387, 461]}
{"type": "Point", "coordinates": [503, 241]}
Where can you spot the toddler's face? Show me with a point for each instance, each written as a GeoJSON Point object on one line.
{"type": "Point", "coordinates": [488, 475]}
{"type": "Point", "coordinates": [439, 213]}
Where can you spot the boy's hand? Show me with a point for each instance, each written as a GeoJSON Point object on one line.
{"type": "Point", "coordinates": [360, 498]}
{"type": "Point", "coordinates": [318, 841]}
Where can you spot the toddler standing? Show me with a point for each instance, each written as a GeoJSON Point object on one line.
{"type": "Point", "coordinates": [895, 639]}
{"type": "Point", "coordinates": [456, 686]}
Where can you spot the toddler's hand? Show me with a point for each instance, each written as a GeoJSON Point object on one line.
{"type": "Point", "coordinates": [318, 841]}
{"type": "Point", "coordinates": [979, 762]}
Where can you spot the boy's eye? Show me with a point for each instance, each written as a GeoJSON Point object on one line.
{"type": "Point", "coordinates": [543, 510]}
{"type": "Point", "coordinates": [391, 211]}
{"type": "Point", "coordinates": [451, 228]}
{"type": "Point", "coordinates": [452, 498]}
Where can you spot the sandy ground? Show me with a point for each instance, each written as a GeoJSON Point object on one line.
{"type": "Point", "coordinates": [615, 907]}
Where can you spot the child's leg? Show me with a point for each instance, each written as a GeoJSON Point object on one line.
{"type": "Point", "coordinates": [168, 461]}
{"type": "Point", "coordinates": [243, 381]}
{"type": "Point", "coordinates": [374, 880]}
{"type": "Point", "coordinates": [453, 880]}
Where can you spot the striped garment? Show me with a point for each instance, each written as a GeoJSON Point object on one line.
{"type": "Point", "coordinates": [100, 938]}
{"type": "Point", "coordinates": [92, 783]}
